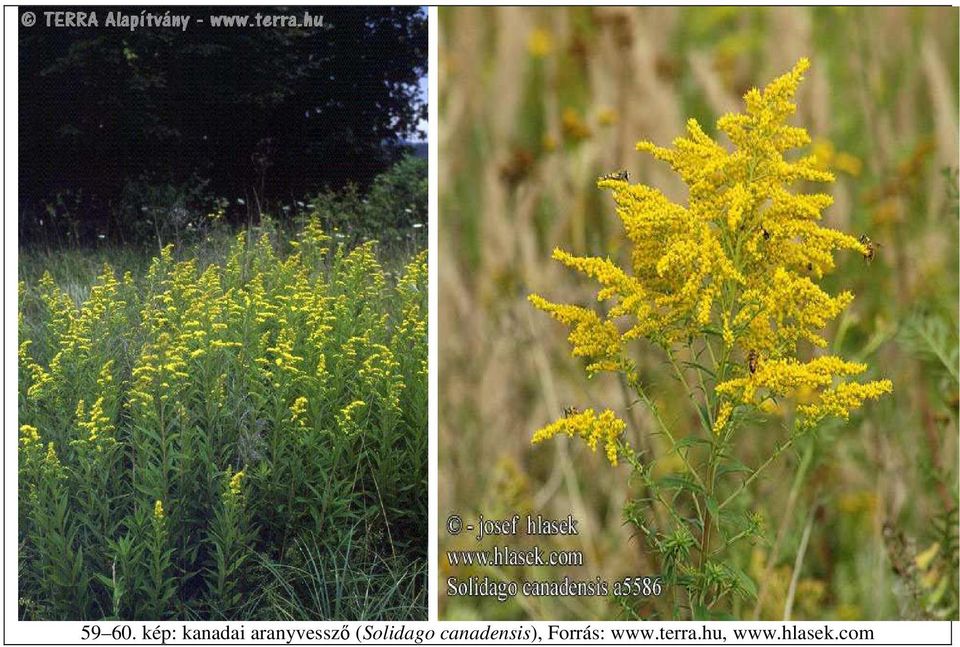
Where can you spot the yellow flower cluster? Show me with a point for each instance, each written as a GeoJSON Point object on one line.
{"type": "Point", "coordinates": [361, 273]}
{"type": "Point", "coordinates": [52, 458]}
{"type": "Point", "coordinates": [411, 332]}
{"type": "Point", "coordinates": [73, 332]}
{"type": "Point", "coordinates": [298, 412]}
{"type": "Point", "coordinates": [787, 377]}
{"type": "Point", "coordinates": [723, 417]}
{"type": "Point", "coordinates": [159, 371]}
{"type": "Point", "coordinates": [98, 426]}
{"type": "Point", "coordinates": [29, 436]}
{"type": "Point", "coordinates": [592, 428]}
{"type": "Point", "coordinates": [158, 513]}
{"type": "Point", "coordinates": [281, 365]}
{"type": "Point", "coordinates": [234, 487]}
{"type": "Point", "coordinates": [380, 375]}
{"type": "Point", "coordinates": [34, 377]}
{"type": "Point", "coordinates": [105, 377]}
{"type": "Point", "coordinates": [348, 412]}
{"type": "Point", "coordinates": [60, 307]}
{"type": "Point", "coordinates": [591, 337]}
{"type": "Point", "coordinates": [742, 258]}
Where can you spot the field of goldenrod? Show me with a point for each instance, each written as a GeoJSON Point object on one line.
{"type": "Point", "coordinates": [854, 520]}
{"type": "Point", "coordinates": [240, 439]}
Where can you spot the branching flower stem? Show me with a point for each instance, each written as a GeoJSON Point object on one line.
{"type": "Point", "coordinates": [727, 286]}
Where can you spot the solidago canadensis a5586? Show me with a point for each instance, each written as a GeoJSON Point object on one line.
{"type": "Point", "coordinates": [728, 288]}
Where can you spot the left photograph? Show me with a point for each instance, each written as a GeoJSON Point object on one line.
{"type": "Point", "coordinates": [222, 393]}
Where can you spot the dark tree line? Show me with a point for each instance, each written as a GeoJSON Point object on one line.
{"type": "Point", "coordinates": [266, 114]}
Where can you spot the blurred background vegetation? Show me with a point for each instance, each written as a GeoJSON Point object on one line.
{"type": "Point", "coordinates": [535, 104]}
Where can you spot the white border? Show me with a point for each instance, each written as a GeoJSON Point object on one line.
{"type": "Point", "coordinates": [433, 302]}
{"type": "Point", "coordinates": [10, 237]}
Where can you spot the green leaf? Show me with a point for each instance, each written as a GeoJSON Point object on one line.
{"type": "Point", "coordinates": [689, 441]}
{"type": "Point", "coordinates": [699, 366]}
{"type": "Point", "coordinates": [679, 482]}
{"type": "Point", "coordinates": [733, 466]}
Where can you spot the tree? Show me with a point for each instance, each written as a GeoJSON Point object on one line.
{"type": "Point", "coordinates": [258, 113]}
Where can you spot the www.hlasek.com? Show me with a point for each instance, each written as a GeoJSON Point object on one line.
{"type": "Point", "coordinates": [170, 20]}
{"type": "Point", "coordinates": [703, 633]}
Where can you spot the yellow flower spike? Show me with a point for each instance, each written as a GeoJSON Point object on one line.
{"type": "Point", "coordinates": [590, 427]}
{"type": "Point", "coordinates": [29, 436]}
{"type": "Point", "coordinates": [52, 461]}
{"type": "Point", "coordinates": [96, 423]}
{"type": "Point", "coordinates": [158, 510]}
{"type": "Point", "coordinates": [105, 377]}
{"type": "Point", "coordinates": [591, 337]}
{"type": "Point", "coordinates": [723, 416]}
{"type": "Point", "coordinates": [740, 261]}
{"type": "Point", "coordinates": [842, 399]}
{"type": "Point", "coordinates": [298, 411]}
{"type": "Point", "coordinates": [234, 487]}
{"type": "Point", "coordinates": [349, 411]}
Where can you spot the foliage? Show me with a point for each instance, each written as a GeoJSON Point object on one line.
{"type": "Point", "coordinates": [186, 433]}
{"type": "Point", "coordinates": [391, 209]}
{"type": "Point", "coordinates": [261, 114]}
{"type": "Point", "coordinates": [398, 197]}
{"type": "Point", "coordinates": [727, 288]}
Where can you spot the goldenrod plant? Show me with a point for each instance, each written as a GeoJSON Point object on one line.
{"type": "Point", "coordinates": [189, 435]}
{"type": "Point", "coordinates": [728, 289]}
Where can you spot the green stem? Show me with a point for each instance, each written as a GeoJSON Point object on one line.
{"type": "Point", "coordinates": [666, 431]}
{"type": "Point", "coordinates": [707, 521]}
{"type": "Point", "coordinates": [690, 392]}
{"type": "Point", "coordinates": [750, 479]}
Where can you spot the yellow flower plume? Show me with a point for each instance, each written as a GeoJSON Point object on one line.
{"type": "Point", "coordinates": [236, 484]}
{"type": "Point", "coordinates": [738, 265]}
{"type": "Point", "coordinates": [590, 427]}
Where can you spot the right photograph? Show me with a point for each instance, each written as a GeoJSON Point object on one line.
{"type": "Point", "coordinates": [698, 313]}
